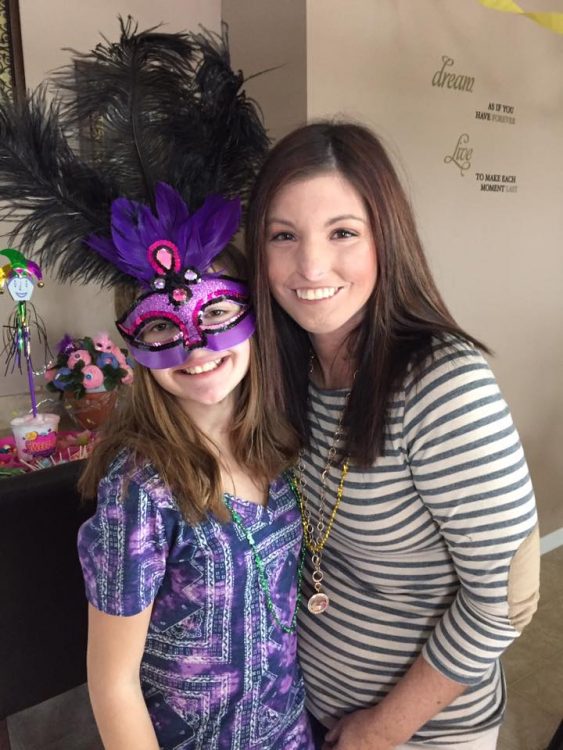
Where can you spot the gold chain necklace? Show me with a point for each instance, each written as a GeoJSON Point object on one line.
{"type": "Point", "coordinates": [315, 542]}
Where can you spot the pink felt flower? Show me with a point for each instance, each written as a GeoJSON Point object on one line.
{"type": "Point", "coordinates": [93, 377]}
{"type": "Point", "coordinates": [80, 355]}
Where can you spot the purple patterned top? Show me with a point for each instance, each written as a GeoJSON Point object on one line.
{"type": "Point", "coordinates": [217, 671]}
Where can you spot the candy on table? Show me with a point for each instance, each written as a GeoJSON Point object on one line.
{"type": "Point", "coordinates": [71, 446]}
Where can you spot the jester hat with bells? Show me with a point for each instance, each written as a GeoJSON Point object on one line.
{"type": "Point", "coordinates": [19, 275]}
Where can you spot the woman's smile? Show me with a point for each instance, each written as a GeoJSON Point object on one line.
{"type": "Point", "coordinates": [315, 294]}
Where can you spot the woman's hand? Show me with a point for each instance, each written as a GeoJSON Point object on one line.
{"type": "Point", "coordinates": [418, 696]}
{"type": "Point", "coordinates": [357, 731]}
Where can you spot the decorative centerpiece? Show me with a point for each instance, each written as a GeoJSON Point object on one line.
{"type": "Point", "coordinates": [88, 372]}
{"type": "Point", "coordinates": [35, 434]}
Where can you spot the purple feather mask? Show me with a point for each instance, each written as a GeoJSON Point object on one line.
{"type": "Point", "coordinates": [168, 251]}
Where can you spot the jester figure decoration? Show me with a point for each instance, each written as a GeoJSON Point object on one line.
{"type": "Point", "coordinates": [20, 276]}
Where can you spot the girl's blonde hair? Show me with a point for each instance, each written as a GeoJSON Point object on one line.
{"type": "Point", "coordinates": [153, 428]}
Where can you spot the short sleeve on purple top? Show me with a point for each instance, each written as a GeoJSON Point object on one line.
{"type": "Point", "coordinates": [217, 671]}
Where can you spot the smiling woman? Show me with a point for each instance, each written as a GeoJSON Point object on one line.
{"type": "Point", "coordinates": [12, 79]}
{"type": "Point", "coordinates": [418, 511]}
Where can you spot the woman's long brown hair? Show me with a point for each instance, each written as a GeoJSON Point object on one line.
{"type": "Point", "coordinates": [405, 311]}
{"type": "Point", "coordinates": [153, 428]}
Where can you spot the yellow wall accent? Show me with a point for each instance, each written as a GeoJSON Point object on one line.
{"type": "Point", "coordinates": [552, 21]}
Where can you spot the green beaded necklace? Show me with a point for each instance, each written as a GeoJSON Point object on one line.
{"type": "Point", "coordinates": [261, 568]}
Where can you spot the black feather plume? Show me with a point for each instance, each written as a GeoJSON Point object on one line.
{"type": "Point", "coordinates": [125, 90]}
{"type": "Point", "coordinates": [152, 107]}
{"type": "Point", "coordinates": [52, 197]}
{"type": "Point", "coordinates": [233, 139]}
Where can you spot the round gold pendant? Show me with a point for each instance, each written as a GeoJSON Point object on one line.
{"type": "Point", "coordinates": [318, 603]}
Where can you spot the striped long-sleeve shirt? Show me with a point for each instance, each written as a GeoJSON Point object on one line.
{"type": "Point", "coordinates": [434, 548]}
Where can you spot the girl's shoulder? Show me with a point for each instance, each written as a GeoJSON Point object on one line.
{"type": "Point", "coordinates": [131, 477]}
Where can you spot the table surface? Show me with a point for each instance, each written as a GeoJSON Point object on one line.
{"type": "Point", "coordinates": [72, 445]}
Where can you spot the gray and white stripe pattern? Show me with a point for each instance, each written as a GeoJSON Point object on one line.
{"type": "Point", "coordinates": [419, 555]}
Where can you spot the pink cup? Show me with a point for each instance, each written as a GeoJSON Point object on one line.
{"type": "Point", "coordinates": [35, 437]}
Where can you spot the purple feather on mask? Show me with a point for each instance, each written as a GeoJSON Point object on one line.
{"type": "Point", "coordinates": [213, 225]}
{"type": "Point", "coordinates": [135, 227]}
{"type": "Point", "coordinates": [170, 208]}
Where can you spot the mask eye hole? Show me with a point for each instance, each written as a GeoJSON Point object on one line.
{"type": "Point", "coordinates": [219, 314]}
{"type": "Point", "coordinates": [158, 331]}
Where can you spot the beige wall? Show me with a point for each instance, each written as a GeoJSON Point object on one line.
{"type": "Point", "coordinates": [498, 258]}
{"type": "Point", "coordinates": [267, 34]}
{"type": "Point", "coordinates": [47, 28]}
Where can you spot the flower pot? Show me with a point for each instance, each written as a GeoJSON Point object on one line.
{"type": "Point", "coordinates": [92, 410]}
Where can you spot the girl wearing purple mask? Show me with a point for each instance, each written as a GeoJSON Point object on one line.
{"type": "Point", "coordinates": [192, 561]}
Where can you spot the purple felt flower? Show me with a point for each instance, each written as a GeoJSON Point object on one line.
{"type": "Point", "coordinates": [65, 345]}
{"type": "Point", "coordinates": [61, 379]}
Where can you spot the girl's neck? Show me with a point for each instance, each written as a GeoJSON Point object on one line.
{"type": "Point", "coordinates": [333, 366]}
{"type": "Point", "coordinates": [215, 421]}
{"type": "Point", "coordinates": [212, 420]}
